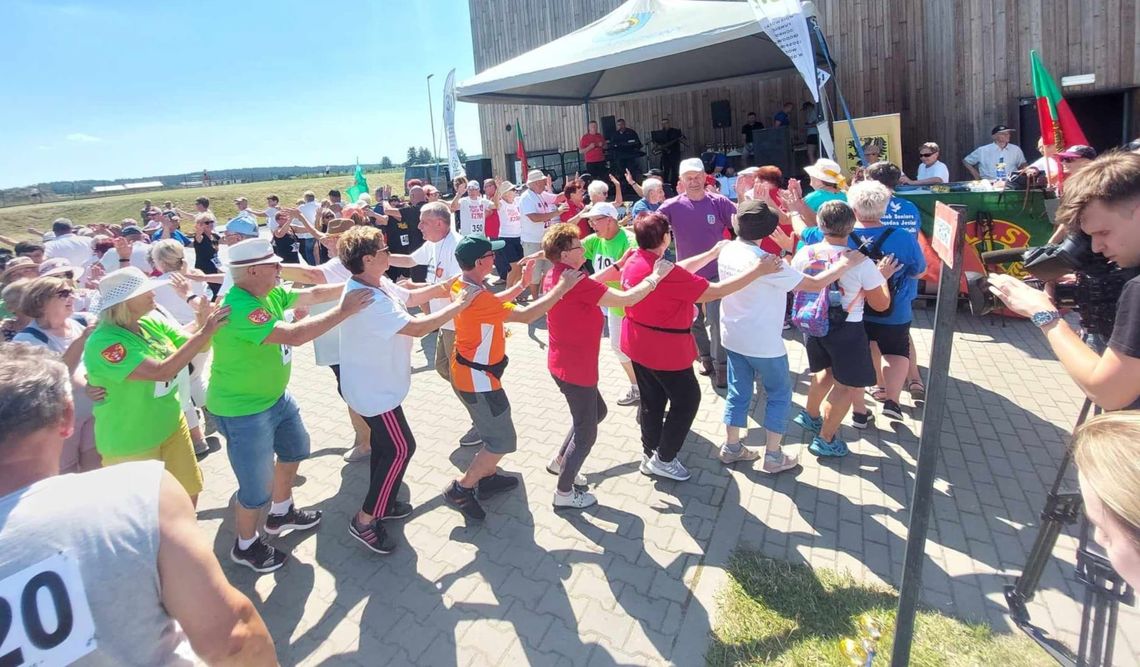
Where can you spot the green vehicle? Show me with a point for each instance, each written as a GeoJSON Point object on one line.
{"type": "Point", "coordinates": [435, 173]}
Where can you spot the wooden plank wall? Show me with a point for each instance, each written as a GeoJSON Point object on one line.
{"type": "Point", "coordinates": [952, 68]}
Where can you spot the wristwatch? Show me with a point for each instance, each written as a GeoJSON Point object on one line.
{"type": "Point", "coordinates": [1045, 317]}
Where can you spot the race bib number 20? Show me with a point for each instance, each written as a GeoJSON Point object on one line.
{"type": "Point", "coordinates": [44, 616]}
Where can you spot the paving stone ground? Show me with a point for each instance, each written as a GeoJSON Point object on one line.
{"type": "Point", "coordinates": [634, 579]}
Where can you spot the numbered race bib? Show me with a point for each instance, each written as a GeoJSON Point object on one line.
{"type": "Point", "coordinates": [405, 240]}
{"type": "Point", "coordinates": [44, 616]}
{"type": "Point", "coordinates": [286, 354]}
{"type": "Point", "coordinates": [163, 388]}
{"type": "Point", "coordinates": [477, 226]}
{"type": "Point", "coordinates": [604, 262]}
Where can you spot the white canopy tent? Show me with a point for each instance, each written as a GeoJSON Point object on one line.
{"type": "Point", "coordinates": [683, 42]}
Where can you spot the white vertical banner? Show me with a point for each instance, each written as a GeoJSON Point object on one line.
{"type": "Point", "coordinates": [453, 164]}
{"type": "Point", "coordinates": [784, 22]}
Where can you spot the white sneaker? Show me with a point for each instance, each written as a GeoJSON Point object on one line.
{"type": "Point", "coordinates": [355, 454]}
{"type": "Point", "coordinates": [632, 397]}
{"type": "Point", "coordinates": [555, 468]}
{"type": "Point", "coordinates": [574, 500]}
{"type": "Point", "coordinates": [644, 467]}
{"type": "Point", "coordinates": [727, 456]}
{"type": "Point", "coordinates": [671, 470]}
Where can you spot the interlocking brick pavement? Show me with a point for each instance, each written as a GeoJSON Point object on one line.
{"type": "Point", "coordinates": [634, 579]}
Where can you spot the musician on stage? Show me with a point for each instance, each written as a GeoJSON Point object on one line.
{"type": "Point", "coordinates": [626, 146]}
{"type": "Point", "coordinates": [668, 142]}
{"type": "Point", "coordinates": [592, 145]}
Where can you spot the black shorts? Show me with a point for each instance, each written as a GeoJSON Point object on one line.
{"type": "Point", "coordinates": [336, 371]}
{"type": "Point", "coordinates": [845, 351]}
{"type": "Point", "coordinates": [892, 339]}
{"type": "Point", "coordinates": [509, 254]}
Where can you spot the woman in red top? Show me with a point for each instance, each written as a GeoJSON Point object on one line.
{"type": "Point", "coordinates": [574, 201]}
{"type": "Point", "coordinates": [768, 181]}
{"type": "Point", "coordinates": [492, 217]}
{"type": "Point", "coordinates": [656, 336]}
{"type": "Point", "coordinates": [574, 325]}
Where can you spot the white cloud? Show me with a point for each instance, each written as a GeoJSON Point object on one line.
{"type": "Point", "coordinates": [82, 138]}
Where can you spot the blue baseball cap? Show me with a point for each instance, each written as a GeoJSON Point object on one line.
{"type": "Point", "coordinates": [240, 225]}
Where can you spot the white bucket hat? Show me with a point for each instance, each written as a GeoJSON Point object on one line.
{"type": "Point", "coordinates": [691, 164]}
{"type": "Point", "coordinates": [535, 175]}
{"type": "Point", "coordinates": [252, 252]}
{"type": "Point", "coordinates": [57, 266]}
{"type": "Point", "coordinates": [601, 210]}
{"type": "Point", "coordinates": [124, 285]}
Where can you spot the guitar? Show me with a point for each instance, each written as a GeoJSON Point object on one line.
{"type": "Point", "coordinates": [658, 149]}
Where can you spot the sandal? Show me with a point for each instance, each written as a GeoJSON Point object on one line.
{"type": "Point", "coordinates": [918, 393]}
{"type": "Point", "coordinates": [877, 393]}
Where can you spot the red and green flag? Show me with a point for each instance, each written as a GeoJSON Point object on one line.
{"type": "Point", "coordinates": [520, 151]}
{"type": "Point", "coordinates": [1059, 127]}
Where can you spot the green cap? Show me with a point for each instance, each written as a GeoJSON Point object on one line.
{"type": "Point", "coordinates": [471, 248]}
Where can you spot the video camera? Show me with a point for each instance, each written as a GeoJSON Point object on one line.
{"type": "Point", "coordinates": [1093, 294]}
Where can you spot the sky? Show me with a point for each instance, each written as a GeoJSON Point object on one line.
{"type": "Point", "coordinates": [110, 89]}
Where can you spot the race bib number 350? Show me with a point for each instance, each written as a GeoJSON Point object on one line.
{"type": "Point", "coordinates": [44, 616]}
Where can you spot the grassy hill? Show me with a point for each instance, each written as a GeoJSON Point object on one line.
{"type": "Point", "coordinates": [14, 220]}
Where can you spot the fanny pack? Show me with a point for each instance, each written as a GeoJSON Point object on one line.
{"type": "Point", "coordinates": [661, 329]}
{"type": "Point", "coordinates": [495, 369]}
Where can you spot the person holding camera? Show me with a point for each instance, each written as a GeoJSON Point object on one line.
{"type": "Point", "coordinates": [1102, 202]}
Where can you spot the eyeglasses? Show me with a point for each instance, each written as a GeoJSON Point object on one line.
{"type": "Point", "coordinates": [386, 250]}
{"type": "Point", "coordinates": [65, 293]}
{"type": "Point", "coordinates": [925, 154]}
{"type": "Point", "coordinates": [490, 254]}
{"type": "Point", "coordinates": [574, 247]}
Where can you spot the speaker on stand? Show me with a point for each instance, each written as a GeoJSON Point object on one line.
{"type": "Point", "coordinates": [479, 170]}
{"type": "Point", "coordinates": [722, 117]}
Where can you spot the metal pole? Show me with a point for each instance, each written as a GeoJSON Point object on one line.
{"type": "Point", "coordinates": [933, 414]}
{"type": "Point", "coordinates": [431, 117]}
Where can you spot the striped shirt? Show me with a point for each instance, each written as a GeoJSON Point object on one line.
{"type": "Point", "coordinates": [479, 337]}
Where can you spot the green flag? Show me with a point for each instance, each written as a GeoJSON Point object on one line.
{"type": "Point", "coordinates": [359, 186]}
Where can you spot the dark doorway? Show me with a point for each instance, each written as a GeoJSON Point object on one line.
{"type": "Point", "coordinates": [1105, 119]}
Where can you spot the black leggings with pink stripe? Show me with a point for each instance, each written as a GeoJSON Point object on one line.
{"type": "Point", "coordinates": [392, 448]}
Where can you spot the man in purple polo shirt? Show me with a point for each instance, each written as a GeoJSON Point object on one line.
{"type": "Point", "coordinates": [699, 220]}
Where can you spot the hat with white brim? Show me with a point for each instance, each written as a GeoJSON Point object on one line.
{"type": "Point", "coordinates": [252, 252]}
{"type": "Point", "coordinates": [123, 285]}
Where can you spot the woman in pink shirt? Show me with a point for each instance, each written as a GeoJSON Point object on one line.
{"type": "Point", "coordinates": [656, 335]}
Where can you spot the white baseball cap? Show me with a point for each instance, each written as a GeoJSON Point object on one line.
{"type": "Point", "coordinates": [601, 210]}
{"type": "Point", "coordinates": [691, 164]}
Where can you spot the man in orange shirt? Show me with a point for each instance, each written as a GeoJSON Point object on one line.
{"type": "Point", "coordinates": [592, 145]}
{"type": "Point", "coordinates": [477, 366]}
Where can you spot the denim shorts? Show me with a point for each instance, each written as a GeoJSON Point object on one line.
{"type": "Point", "coordinates": [253, 440]}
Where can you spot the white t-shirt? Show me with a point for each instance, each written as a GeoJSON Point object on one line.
{"type": "Point", "coordinates": [852, 283]}
{"type": "Point", "coordinates": [376, 360]}
{"type": "Point", "coordinates": [532, 203]}
{"type": "Point", "coordinates": [54, 343]}
{"type": "Point", "coordinates": [72, 247]}
{"type": "Point", "coordinates": [1053, 165]}
{"type": "Point", "coordinates": [985, 159]}
{"type": "Point", "coordinates": [473, 215]}
{"type": "Point", "coordinates": [139, 260]}
{"type": "Point", "coordinates": [271, 216]}
{"type": "Point", "coordinates": [510, 220]}
{"type": "Point", "coordinates": [439, 258]}
{"type": "Point", "coordinates": [309, 210]}
{"type": "Point", "coordinates": [179, 309]}
{"type": "Point", "coordinates": [326, 347]}
{"type": "Point", "coordinates": [937, 169]}
{"type": "Point", "coordinates": [752, 319]}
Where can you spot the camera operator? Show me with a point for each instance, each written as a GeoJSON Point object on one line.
{"type": "Point", "coordinates": [1103, 202]}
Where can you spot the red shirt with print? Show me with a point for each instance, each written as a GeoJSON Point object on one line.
{"type": "Point", "coordinates": [574, 326]}
{"type": "Point", "coordinates": [672, 305]}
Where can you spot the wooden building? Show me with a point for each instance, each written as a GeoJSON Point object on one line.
{"type": "Point", "coordinates": [951, 68]}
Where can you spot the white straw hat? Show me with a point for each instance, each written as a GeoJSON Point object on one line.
{"type": "Point", "coordinates": [252, 252]}
{"type": "Point", "coordinates": [535, 175]}
{"type": "Point", "coordinates": [57, 266]}
{"type": "Point", "coordinates": [601, 209]}
{"type": "Point", "coordinates": [825, 170]}
{"type": "Point", "coordinates": [124, 285]}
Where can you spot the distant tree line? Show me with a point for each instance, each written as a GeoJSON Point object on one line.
{"type": "Point", "coordinates": [423, 155]}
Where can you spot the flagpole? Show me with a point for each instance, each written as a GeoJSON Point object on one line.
{"type": "Point", "coordinates": [431, 117]}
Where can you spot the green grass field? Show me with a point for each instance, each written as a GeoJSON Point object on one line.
{"type": "Point", "coordinates": [14, 220]}
{"type": "Point", "coordinates": [777, 613]}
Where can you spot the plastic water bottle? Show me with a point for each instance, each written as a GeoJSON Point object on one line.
{"type": "Point", "coordinates": [1001, 173]}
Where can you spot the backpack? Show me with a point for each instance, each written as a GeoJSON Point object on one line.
{"type": "Point", "coordinates": [39, 335]}
{"type": "Point", "coordinates": [814, 312]}
{"type": "Point", "coordinates": [894, 283]}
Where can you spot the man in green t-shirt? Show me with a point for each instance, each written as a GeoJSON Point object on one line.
{"type": "Point", "coordinates": [247, 394]}
{"type": "Point", "coordinates": [605, 248]}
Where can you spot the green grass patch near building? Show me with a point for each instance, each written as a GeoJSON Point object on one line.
{"type": "Point", "coordinates": [777, 613]}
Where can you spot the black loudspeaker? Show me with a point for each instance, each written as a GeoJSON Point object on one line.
{"type": "Point", "coordinates": [609, 126]}
{"type": "Point", "coordinates": [721, 114]}
{"type": "Point", "coordinates": [774, 146]}
{"type": "Point", "coordinates": [479, 170]}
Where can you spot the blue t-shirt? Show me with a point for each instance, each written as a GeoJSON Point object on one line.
{"type": "Point", "coordinates": [643, 206]}
{"type": "Point", "coordinates": [906, 250]}
{"type": "Point", "coordinates": [177, 236]}
{"type": "Point", "coordinates": [782, 118]}
{"type": "Point", "coordinates": [902, 213]}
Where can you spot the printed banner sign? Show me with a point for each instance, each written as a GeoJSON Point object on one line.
{"type": "Point", "coordinates": [453, 164]}
{"type": "Point", "coordinates": [784, 22]}
{"type": "Point", "coordinates": [945, 231]}
{"type": "Point", "coordinates": [884, 130]}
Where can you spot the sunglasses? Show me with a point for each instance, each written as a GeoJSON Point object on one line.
{"type": "Point", "coordinates": [925, 154]}
{"type": "Point", "coordinates": [65, 293]}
